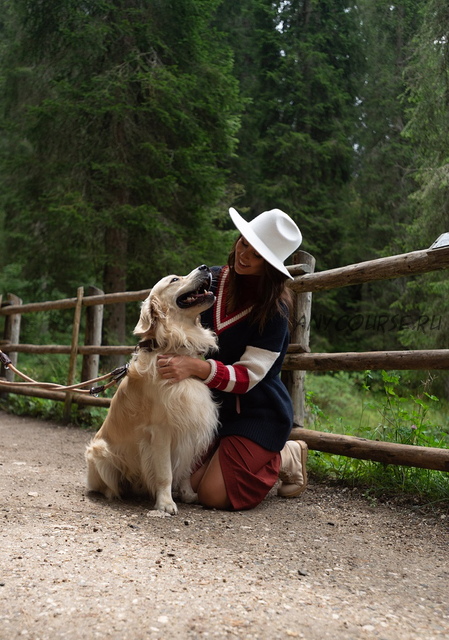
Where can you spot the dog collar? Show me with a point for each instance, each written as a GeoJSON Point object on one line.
{"type": "Point", "coordinates": [148, 345]}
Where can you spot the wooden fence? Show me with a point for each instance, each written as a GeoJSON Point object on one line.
{"type": "Point", "coordinates": [297, 361]}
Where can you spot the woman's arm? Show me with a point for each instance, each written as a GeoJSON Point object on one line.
{"type": "Point", "coordinates": [243, 375]}
{"type": "Point", "coordinates": [256, 361]}
{"type": "Point", "coordinates": [239, 377]}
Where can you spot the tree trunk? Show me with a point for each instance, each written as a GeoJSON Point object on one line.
{"type": "Point", "coordinates": [116, 245]}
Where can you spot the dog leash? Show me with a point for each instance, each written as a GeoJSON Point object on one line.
{"type": "Point", "coordinates": [117, 374]}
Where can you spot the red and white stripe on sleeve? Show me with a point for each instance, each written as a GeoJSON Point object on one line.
{"type": "Point", "coordinates": [243, 375]}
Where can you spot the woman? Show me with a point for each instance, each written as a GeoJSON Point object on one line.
{"type": "Point", "coordinates": [250, 318]}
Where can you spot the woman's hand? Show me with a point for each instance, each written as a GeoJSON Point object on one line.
{"type": "Point", "coordinates": [176, 368]}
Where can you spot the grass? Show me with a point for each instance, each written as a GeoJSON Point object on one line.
{"type": "Point", "coordinates": [378, 406]}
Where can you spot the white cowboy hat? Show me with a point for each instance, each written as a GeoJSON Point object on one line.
{"type": "Point", "coordinates": [273, 234]}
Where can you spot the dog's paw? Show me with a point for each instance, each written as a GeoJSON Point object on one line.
{"type": "Point", "coordinates": [185, 492]}
{"type": "Point", "coordinates": [169, 506]}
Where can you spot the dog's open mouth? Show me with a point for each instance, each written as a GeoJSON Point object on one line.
{"type": "Point", "coordinates": [199, 296]}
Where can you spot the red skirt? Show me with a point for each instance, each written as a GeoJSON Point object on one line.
{"type": "Point", "coordinates": [249, 470]}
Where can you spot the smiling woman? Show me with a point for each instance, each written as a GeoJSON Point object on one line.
{"type": "Point", "coordinates": [247, 261]}
{"type": "Point", "coordinates": [250, 319]}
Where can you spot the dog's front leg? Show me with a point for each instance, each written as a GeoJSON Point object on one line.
{"type": "Point", "coordinates": [157, 469]}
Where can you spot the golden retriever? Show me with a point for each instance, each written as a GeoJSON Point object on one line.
{"type": "Point", "coordinates": [156, 431]}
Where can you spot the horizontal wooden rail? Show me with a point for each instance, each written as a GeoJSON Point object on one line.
{"type": "Point", "coordinates": [102, 350]}
{"type": "Point", "coordinates": [70, 303]}
{"type": "Point", "coordinates": [405, 264]}
{"type": "Point", "coordinates": [65, 349]}
{"type": "Point", "coordinates": [295, 360]}
{"type": "Point", "coordinates": [105, 298]}
{"type": "Point", "coordinates": [375, 360]}
{"type": "Point", "coordinates": [386, 452]}
{"type": "Point", "coordinates": [78, 398]}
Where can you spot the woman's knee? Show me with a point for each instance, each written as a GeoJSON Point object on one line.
{"type": "Point", "coordinates": [212, 498]}
{"type": "Point", "coordinates": [212, 489]}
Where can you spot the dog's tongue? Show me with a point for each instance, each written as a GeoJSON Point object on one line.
{"type": "Point", "coordinates": [195, 296]}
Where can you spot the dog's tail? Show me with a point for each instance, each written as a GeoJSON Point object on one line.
{"type": "Point", "coordinates": [103, 469]}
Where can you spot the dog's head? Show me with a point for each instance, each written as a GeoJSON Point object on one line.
{"type": "Point", "coordinates": [175, 303]}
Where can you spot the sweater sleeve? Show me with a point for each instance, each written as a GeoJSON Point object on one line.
{"type": "Point", "coordinates": [256, 361]}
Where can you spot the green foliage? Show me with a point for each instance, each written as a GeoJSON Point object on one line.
{"type": "Point", "coordinates": [82, 416]}
{"type": "Point", "coordinates": [404, 420]}
{"type": "Point", "coordinates": [298, 70]}
{"type": "Point", "coordinates": [384, 162]}
{"type": "Point", "coordinates": [427, 75]}
{"type": "Point", "coordinates": [384, 177]}
{"type": "Point", "coordinates": [35, 407]}
{"type": "Point", "coordinates": [117, 119]}
{"type": "Point", "coordinates": [373, 406]}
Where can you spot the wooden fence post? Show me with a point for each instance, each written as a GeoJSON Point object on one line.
{"type": "Point", "coordinates": [11, 334]}
{"type": "Point", "coordinates": [92, 336]}
{"type": "Point", "coordinates": [73, 352]}
{"type": "Point", "coordinates": [300, 336]}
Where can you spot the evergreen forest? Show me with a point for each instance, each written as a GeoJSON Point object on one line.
{"type": "Point", "coordinates": [129, 127]}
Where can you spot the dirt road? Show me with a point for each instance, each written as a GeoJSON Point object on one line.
{"type": "Point", "coordinates": [328, 565]}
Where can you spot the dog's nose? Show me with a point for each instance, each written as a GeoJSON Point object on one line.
{"type": "Point", "coordinates": [203, 267]}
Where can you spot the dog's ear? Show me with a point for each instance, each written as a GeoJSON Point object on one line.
{"type": "Point", "coordinates": [150, 313]}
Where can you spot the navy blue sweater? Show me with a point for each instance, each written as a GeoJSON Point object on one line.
{"type": "Point", "coordinates": [245, 376]}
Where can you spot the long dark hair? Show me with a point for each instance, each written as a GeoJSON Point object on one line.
{"type": "Point", "coordinates": [273, 295]}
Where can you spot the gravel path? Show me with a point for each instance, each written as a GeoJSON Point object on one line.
{"type": "Point", "coordinates": [328, 565]}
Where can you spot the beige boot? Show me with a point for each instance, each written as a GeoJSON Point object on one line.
{"type": "Point", "coordinates": [293, 473]}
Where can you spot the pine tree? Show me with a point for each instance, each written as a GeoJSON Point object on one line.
{"type": "Point", "coordinates": [385, 161]}
{"type": "Point", "coordinates": [385, 157]}
{"type": "Point", "coordinates": [427, 74]}
{"type": "Point", "coordinates": [120, 118]}
{"type": "Point", "coordinates": [298, 71]}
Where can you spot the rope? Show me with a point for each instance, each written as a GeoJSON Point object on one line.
{"type": "Point", "coordinates": [117, 374]}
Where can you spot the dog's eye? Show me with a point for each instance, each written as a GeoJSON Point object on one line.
{"type": "Point", "coordinates": [174, 280]}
